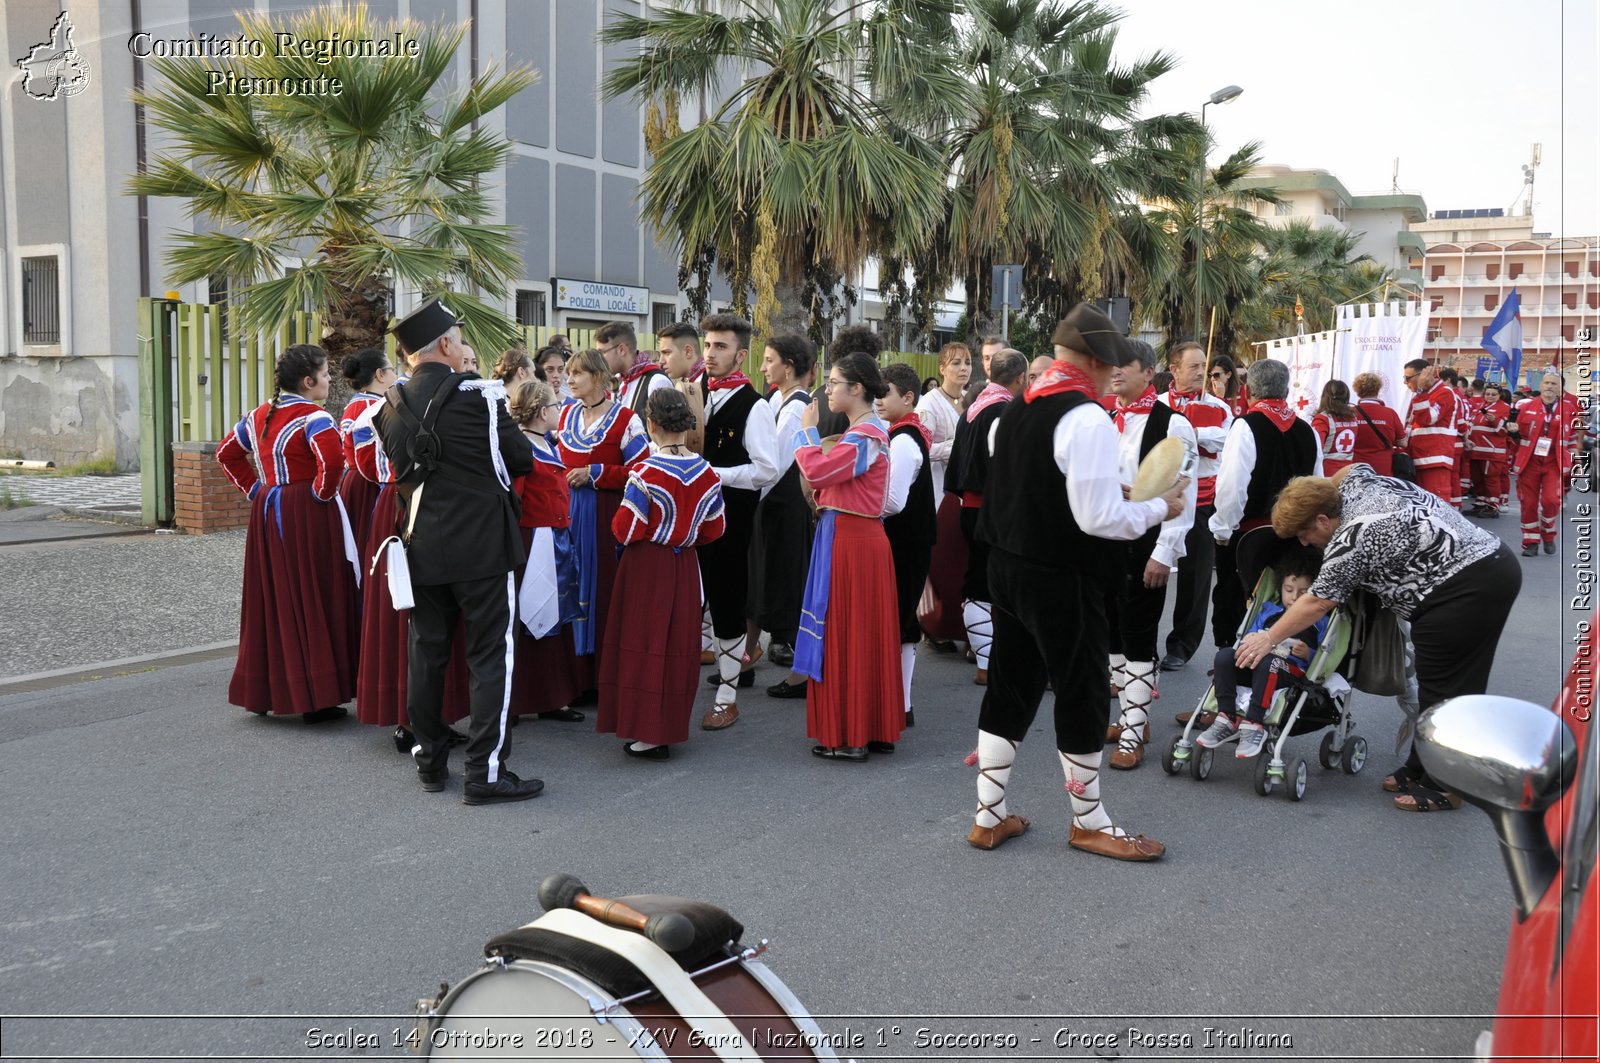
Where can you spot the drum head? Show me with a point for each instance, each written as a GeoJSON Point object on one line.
{"type": "Point", "coordinates": [530, 1011]}
{"type": "Point", "coordinates": [1159, 470]}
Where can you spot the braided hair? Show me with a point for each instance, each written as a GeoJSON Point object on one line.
{"type": "Point", "coordinates": [294, 365]}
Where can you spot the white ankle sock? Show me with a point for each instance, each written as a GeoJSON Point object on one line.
{"type": "Point", "coordinates": [643, 747]}
{"type": "Point", "coordinates": [995, 756]}
{"type": "Point", "coordinates": [1083, 788]}
{"type": "Point", "coordinates": [1138, 690]}
{"type": "Point", "coordinates": [908, 665]}
{"type": "Point", "coordinates": [980, 629]}
{"type": "Point", "coordinates": [729, 654]}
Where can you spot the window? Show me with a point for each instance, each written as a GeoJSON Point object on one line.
{"type": "Point", "coordinates": [1284, 209]}
{"type": "Point", "coordinates": [530, 307]}
{"type": "Point", "coordinates": [1514, 270]}
{"type": "Point", "coordinates": [217, 288]}
{"type": "Point", "coordinates": [41, 300]}
{"type": "Point", "coordinates": [662, 315]}
{"type": "Point", "coordinates": [1492, 271]}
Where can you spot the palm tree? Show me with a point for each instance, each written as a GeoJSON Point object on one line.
{"type": "Point", "coordinates": [375, 186]}
{"type": "Point", "coordinates": [797, 176]}
{"type": "Point", "coordinates": [1318, 268]}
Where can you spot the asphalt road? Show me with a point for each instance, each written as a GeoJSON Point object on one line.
{"type": "Point", "coordinates": [169, 855]}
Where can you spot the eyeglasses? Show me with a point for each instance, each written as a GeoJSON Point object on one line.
{"type": "Point", "coordinates": [831, 384]}
{"type": "Point", "coordinates": [1220, 374]}
{"type": "Point", "coordinates": [551, 406]}
{"type": "Point", "coordinates": [1410, 377]}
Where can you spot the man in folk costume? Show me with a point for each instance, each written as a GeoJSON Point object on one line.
{"type": "Point", "coordinates": [967, 477]}
{"type": "Point", "coordinates": [741, 445]}
{"type": "Point", "coordinates": [1139, 588]}
{"type": "Point", "coordinates": [455, 449]}
{"type": "Point", "coordinates": [1490, 458]}
{"type": "Point", "coordinates": [1547, 427]}
{"type": "Point", "coordinates": [1266, 448]}
{"type": "Point", "coordinates": [640, 376]}
{"type": "Point", "coordinates": [1432, 430]}
{"type": "Point", "coordinates": [678, 354]}
{"type": "Point", "coordinates": [1054, 506]}
{"type": "Point", "coordinates": [1211, 418]}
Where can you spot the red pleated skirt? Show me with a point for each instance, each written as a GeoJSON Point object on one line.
{"type": "Point", "coordinates": [945, 573]}
{"type": "Point", "coordinates": [360, 496]}
{"type": "Point", "coordinates": [860, 698]}
{"type": "Point", "coordinates": [385, 631]}
{"type": "Point", "coordinates": [650, 660]}
{"type": "Point", "coordinates": [299, 625]}
{"type": "Point", "coordinates": [548, 674]}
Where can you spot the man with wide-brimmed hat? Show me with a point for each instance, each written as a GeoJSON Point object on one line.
{"type": "Point", "coordinates": [455, 450]}
{"type": "Point", "coordinates": [1054, 499]}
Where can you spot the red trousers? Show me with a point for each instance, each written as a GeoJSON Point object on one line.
{"type": "Point", "coordinates": [1442, 481]}
{"type": "Point", "coordinates": [1463, 477]}
{"type": "Point", "coordinates": [1490, 482]}
{"type": "Point", "coordinates": [1539, 488]}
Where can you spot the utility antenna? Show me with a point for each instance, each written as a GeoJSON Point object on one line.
{"type": "Point", "coordinates": [1394, 179]}
{"type": "Point", "coordinates": [1527, 182]}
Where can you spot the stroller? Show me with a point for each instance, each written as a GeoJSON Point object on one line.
{"type": "Point", "coordinates": [1319, 699]}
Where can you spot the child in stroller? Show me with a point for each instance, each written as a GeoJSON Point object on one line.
{"type": "Point", "coordinates": [1248, 693]}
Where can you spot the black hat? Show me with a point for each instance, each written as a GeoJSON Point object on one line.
{"type": "Point", "coordinates": [424, 325]}
{"type": "Point", "coordinates": [1089, 331]}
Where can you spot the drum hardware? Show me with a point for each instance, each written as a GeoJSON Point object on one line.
{"type": "Point", "coordinates": [602, 1010]}
{"type": "Point", "coordinates": [495, 961]}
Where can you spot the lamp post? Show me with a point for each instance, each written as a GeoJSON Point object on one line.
{"type": "Point", "coordinates": [1222, 95]}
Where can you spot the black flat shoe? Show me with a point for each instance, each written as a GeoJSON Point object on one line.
{"type": "Point", "coordinates": [785, 689]}
{"type": "Point", "coordinates": [508, 788]}
{"type": "Point", "coordinates": [1173, 663]}
{"type": "Point", "coordinates": [433, 781]}
{"type": "Point", "coordinates": [911, 717]}
{"type": "Point", "coordinates": [333, 712]}
{"type": "Point", "coordinates": [584, 700]}
{"type": "Point", "coordinates": [1531, 551]}
{"type": "Point", "coordinates": [855, 753]}
{"type": "Point", "coordinates": [403, 740]}
{"type": "Point", "coordinates": [564, 715]}
{"type": "Point", "coordinates": [880, 747]}
{"type": "Point", "coordinates": [653, 753]}
{"type": "Point", "coordinates": [747, 679]}
{"type": "Point", "coordinates": [779, 653]}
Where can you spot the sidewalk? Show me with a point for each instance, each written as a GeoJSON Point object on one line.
{"type": "Point", "coordinates": [115, 497]}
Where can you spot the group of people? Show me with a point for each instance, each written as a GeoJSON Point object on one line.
{"type": "Point", "coordinates": [592, 527]}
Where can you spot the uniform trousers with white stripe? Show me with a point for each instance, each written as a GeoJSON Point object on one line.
{"type": "Point", "coordinates": [1539, 489]}
{"type": "Point", "coordinates": [489, 608]}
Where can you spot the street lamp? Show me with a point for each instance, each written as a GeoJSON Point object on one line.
{"type": "Point", "coordinates": [1222, 95]}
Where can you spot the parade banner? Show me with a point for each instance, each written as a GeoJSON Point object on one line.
{"type": "Point", "coordinates": [1381, 338]}
{"type": "Point", "coordinates": [1310, 360]}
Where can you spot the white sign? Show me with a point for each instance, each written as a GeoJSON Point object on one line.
{"type": "Point", "coordinates": [605, 298]}
{"type": "Point", "coordinates": [1310, 362]}
{"type": "Point", "coordinates": [1367, 338]}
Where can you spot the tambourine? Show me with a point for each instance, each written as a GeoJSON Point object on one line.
{"type": "Point", "coordinates": [1161, 468]}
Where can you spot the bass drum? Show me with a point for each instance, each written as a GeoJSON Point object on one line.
{"type": "Point", "coordinates": [527, 1009]}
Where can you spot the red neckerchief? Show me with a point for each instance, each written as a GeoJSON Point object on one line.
{"type": "Point", "coordinates": [1180, 402]}
{"type": "Point", "coordinates": [991, 394]}
{"type": "Point", "coordinates": [736, 379]}
{"type": "Point", "coordinates": [1061, 377]}
{"type": "Point", "coordinates": [912, 419]}
{"type": "Point", "coordinates": [639, 369]}
{"type": "Point", "coordinates": [1277, 411]}
{"type": "Point", "coordinates": [698, 370]}
{"type": "Point", "coordinates": [1143, 404]}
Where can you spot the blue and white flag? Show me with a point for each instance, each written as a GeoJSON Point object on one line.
{"type": "Point", "coordinates": [1503, 337]}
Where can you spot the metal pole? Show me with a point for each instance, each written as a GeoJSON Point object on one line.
{"type": "Point", "coordinates": [1005, 306]}
{"type": "Point", "coordinates": [1200, 219]}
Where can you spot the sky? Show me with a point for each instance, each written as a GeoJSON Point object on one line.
{"type": "Point", "coordinates": [1458, 90]}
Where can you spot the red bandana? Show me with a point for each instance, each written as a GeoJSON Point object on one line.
{"type": "Point", "coordinates": [732, 380]}
{"type": "Point", "coordinates": [912, 419]}
{"type": "Point", "coordinates": [1143, 404]}
{"type": "Point", "coordinates": [639, 369]}
{"type": "Point", "coordinates": [1061, 377]}
{"type": "Point", "coordinates": [991, 394]}
{"type": "Point", "coordinates": [1180, 402]}
{"type": "Point", "coordinates": [1277, 410]}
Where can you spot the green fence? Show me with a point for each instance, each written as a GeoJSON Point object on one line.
{"type": "Point", "coordinates": [199, 373]}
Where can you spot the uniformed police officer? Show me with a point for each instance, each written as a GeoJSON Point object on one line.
{"type": "Point", "coordinates": [455, 450]}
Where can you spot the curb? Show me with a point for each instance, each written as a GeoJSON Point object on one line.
{"type": "Point", "coordinates": [24, 684]}
{"type": "Point", "coordinates": [106, 515]}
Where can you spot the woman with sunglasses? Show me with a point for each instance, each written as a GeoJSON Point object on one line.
{"type": "Point", "coordinates": [1223, 381]}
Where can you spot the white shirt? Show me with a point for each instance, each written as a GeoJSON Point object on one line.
{"type": "Point", "coordinates": [1233, 478]}
{"type": "Point", "coordinates": [630, 390]}
{"type": "Point", "coordinates": [1169, 544]}
{"type": "Point", "coordinates": [905, 461]}
{"type": "Point", "coordinates": [941, 417]}
{"type": "Point", "coordinates": [760, 442]}
{"type": "Point", "coordinates": [786, 416]}
{"type": "Point", "coordinates": [1085, 449]}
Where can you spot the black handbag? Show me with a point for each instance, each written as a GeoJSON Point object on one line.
{"type": "Point", "coordinates": [1403, 468]}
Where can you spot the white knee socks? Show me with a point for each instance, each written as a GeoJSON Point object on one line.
{"type": "Point", "coordinates": [707, 642]}
{"type": "Point", "coordinates": [1083, 787]}
{"type": "Point", "coordinates": [1138, 689]}
{"type": "Point", "coordinates": [730, 653]}
{"type": "Point", "coordinates": [980, 629]}
{"type": "Point", "coordinates": [1119, 678]}
{"type": "Point", "coordinates": [908, 664]}
{"type": "Point", "coordinates": [995, 755]}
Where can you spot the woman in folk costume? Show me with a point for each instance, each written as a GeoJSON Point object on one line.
{"type": "Point", "coordinates": [299, 626]}
{"type": "Point", "coordinates": [848, 625]}
{"type": "Point", "coordinates": [598, 441]}
{"type": "Point", "coordinates": [940, 411]}
{"type": "Point", "coordinates": [908, 515]}
{"type": "Point", "coordinates": [369, 374]}
{"type": "Point", "coordinates": [385, 630]}
{"type": "Point", "coordinates": [651, 665]}
{"type": "Point", "coordinates": [547, 674]}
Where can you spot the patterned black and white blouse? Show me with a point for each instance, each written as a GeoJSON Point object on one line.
{"type": "Point", "coordinates": [1397, 541]}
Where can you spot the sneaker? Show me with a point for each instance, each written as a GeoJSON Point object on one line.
{"type": "Point", "coordinates": [1252, 736]}
{"type": "Point", "coordinates": [1221, 729]}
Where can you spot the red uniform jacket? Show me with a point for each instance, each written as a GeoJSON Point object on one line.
{"type": "Point", "coordinates": [1563, 426]}
{"type": "Point", "coordinates": [1433, 436]}
{"type": "Point", "coordinates": [1487, 439]}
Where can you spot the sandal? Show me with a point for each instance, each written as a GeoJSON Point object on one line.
{"type": "Point", "coordinates": [1403, 780]}
{"type": "Point", "coordinates": [1426, 799]}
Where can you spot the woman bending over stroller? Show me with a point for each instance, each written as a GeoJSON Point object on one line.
{"type": "Point", "coordinates": [1250, 690]}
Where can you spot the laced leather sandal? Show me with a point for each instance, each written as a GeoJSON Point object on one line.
{"type": "Point", "coordinates": [997, 835]}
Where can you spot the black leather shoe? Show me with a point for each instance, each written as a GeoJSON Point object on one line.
{"type": "Point", "coordinates": [911, 717]}
{"type": "Point", "coordinates": [455, 737]}
{"type": "Point", "coordinates": [1173, 663]}
{"type": "Point", "coordinates": [433, 781]}
{"type": "Point", "coordinates": [855, 753]}
{"type": "Point", "coordinates": [332, 712]}
{"type": "Point", "coordinates": [564, 715]}
{"type": "Point", "coordinates": [403, 740]}
{"type": "Point", "coordinates": [587, 698]}
{"type": "Point", "coordinates": [1549, 548]}
{"type": "Point", "coordinates": [785, 689]}
{"type": "Point", "coordinates": [880, 747]}
{"type": "Point", "coordinates": [747, 679]}
{"type": "Point", "coordinates": [781, 654]}
{"type": "Point", "coordinates": [509, 788]}
{"type": "Point", "coordinates": [1531, 551]}
{"type": "Point", "coordinates": [653, 753]}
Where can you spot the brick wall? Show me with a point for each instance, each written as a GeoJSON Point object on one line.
{"type": "Point", "coordinates": [205, 500]}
